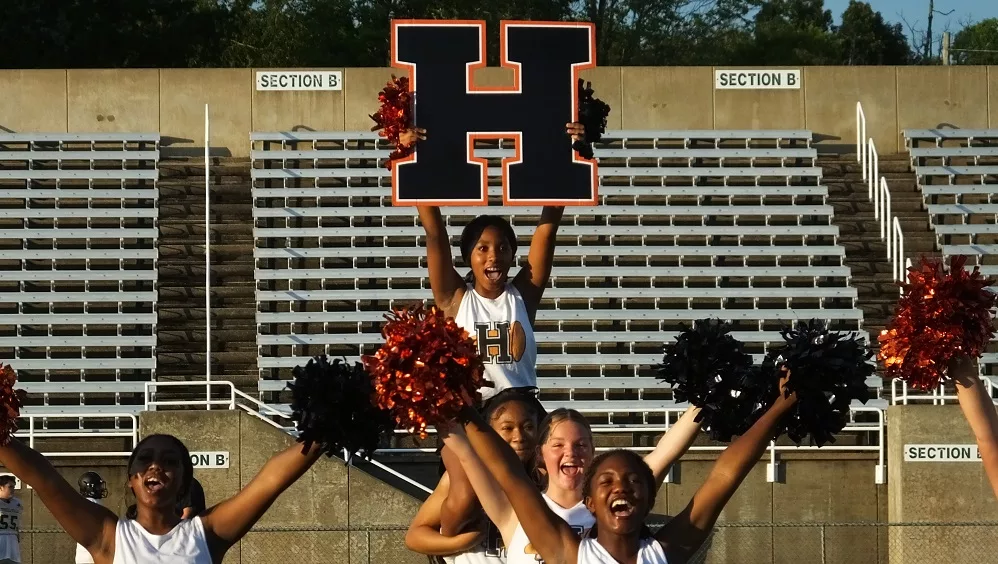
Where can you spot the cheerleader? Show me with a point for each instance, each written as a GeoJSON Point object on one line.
{"type": "Point", "coordinates": [159, 475]}
{"type": "Point", "coordinates": [979, 409]}
{"type": "Point", "coordinates": [94, 489]}
{"type": "Point", "coordinates": [618, 491]}
{"type": "Point", "coordinates": [515, 416]}
{"type": "Point", "coordinates": [497, 311]}
{"type": "Point", "coordinates": [566, 453]}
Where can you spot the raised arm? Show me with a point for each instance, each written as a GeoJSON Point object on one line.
{"type": "Point", "coordinates": [447, 285]}
{"type": "Point", "coordinates": [533, 278]}
{"type": "Point", "coordinates": [550, 535]}
{"type": "Point", "coordinates": [979, 409]}
{"type": "Point", "coordinates": [684, 534]}
{"type": "Point", "coordinates": [89, 524]}
{"type": "Point", "coordinates": [424, 535]}
{"type": "Point", "coordinates": [461, 507]}
{"type": "Point", "coordinates": [487, 489]}
{"type": "Point", "coordinates": [673, 444]}
{"type": "Point", "coordinates": [228, 521]}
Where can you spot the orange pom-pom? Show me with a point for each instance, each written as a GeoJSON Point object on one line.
{"type": "Point", "coordinates": [394, 117]}
{"type": "Point", "coordinates": [939, 317]}
{"type": "Point", "coordinates": [10, 404]}
{"type": "Point", "coordinates": [421, 370]}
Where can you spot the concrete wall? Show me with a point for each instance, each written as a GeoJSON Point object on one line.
{"type": "Point", "coordinates": [935, 491]}
{"type": "Point", "coordinates": [172, 101]}
{"type": "Point", "coordinates": [817, 487]}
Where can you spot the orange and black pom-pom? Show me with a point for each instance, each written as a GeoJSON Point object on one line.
{"type": "Point", "coordinates": [333, 405]}
{"type": "Point", "coordinates": [828, 370]}
{"type": "Point", "coordinates": [709, 368]}
{"type": "Point", "coordinates": [423, 367]}
{"type": "Point", "coordinates": [939, 317]}
{"type": "Point", "coordinates": [10, 404]}
{"type": "Point", "coordinates": [592, 115]}
{"type": "Point", "coordinates": [395, 116]}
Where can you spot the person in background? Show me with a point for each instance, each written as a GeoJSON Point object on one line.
{"type": "Point", "coordinates": [94, 488]}
{"type": "Point", "coordinates": [194, 503]}
{"type": "Point", "coordinates": [10, 521]}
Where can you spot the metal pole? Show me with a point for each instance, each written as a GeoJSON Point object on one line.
{"type": "Point", "coordinates": [946, 45]}
{"type": "Point", "coordinates": [207, 260]}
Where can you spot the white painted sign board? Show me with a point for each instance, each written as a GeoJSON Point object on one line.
{"type": "Point", "coordinates": [941, 453]}
{"type": "Point", "coordinates": [289, 81]}
{"type": "Point", "coordinates": [215, 459]}
{"type": "Point", "coordinates": [742, 79]}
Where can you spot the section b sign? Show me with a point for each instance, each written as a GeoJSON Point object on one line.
{"type": "Point", "coordinates": [542, 168]}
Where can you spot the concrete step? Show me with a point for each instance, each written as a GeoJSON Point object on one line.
{"type": "Point", "coordinates": [220, 273]}
{"type": "Point", "coordinates": [168, 315]}
{"type": "Point", "coordinates": [196, 209]}
{"type": "Point", "coordinates": [182, 232]}
{"type": "Point", "coordinates": [235, 336]}
{"type": "Point", "coordinates": [221, 251]}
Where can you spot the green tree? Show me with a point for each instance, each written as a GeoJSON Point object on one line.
{"type": "Point", "coordinates": [866, 39]}
{"type": "Point", "coordinates": [792, 32]}
{"type": "Point", "coordinates": [979, 42]}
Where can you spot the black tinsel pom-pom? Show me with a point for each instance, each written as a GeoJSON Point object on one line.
{"type": "Point", "coordinates": [332, 404]}
{"type": "Point", "coordinates": [827, 371]}
{"type": "Point", "coordinates": [592, 115]}
{"type": "Point", "coordinates": [708, 368]}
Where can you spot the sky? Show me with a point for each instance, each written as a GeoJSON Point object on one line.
{"type": "Point", "coordinates": [916, 12]}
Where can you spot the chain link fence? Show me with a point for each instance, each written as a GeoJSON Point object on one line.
{"type": "Point", "coordinates": [730, 543]}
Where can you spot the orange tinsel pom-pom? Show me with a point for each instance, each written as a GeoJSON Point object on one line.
{"type": "Point", "coordinates": [394, 117]}
{"type": "Point", "coordinates": [420, 371]}
{"type": "Point", "coordinates": [940, 316]}
{"type": "Point", "coordinates": [10, 404]}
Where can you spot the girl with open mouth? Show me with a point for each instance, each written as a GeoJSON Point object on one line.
{"type": "Point", "coordinates": [618, 492]}
{"type": "Point", "coordinates": [159, 475]}
{"type": "Point", "coordinates": [565, 460]}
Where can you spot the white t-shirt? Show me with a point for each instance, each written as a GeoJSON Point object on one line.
{"type": "Point", "coordinates": [577, 517]}
{"type": "Point", "coordinates": [490, 551]}
{"type": "Point", "coordinates": [10, 525]}
{"type": "Point", "coordinates": [591, 552]}
{"type": "Point", "coordinates": [82, 556]}
{"type": "Point", "coordinates": [505, 338]}
{"type": "Point", "coordinates": [185, 544]}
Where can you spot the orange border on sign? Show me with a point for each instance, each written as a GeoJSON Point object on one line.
{"type": "Point", "coordinates": [410, 69]}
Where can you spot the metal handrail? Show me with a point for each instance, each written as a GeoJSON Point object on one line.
{"type": "Point", "coordinates": [861, 137]}
{"type": "Point", "coordinates": [937, 396]}
{"type": "Point", "coordinates": [32, 433]}
{"type": "Point", "coordinates": [254, 407]}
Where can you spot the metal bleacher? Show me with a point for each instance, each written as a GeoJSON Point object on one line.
{"type": "Point", "coordinates": [78, 257]}
{"type": "Point", "coordinates": [691, 224]}
{"type": "Point", "coordinates": [957, 172]}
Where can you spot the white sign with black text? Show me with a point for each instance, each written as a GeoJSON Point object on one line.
{"type": "Point", "coordinates": [299, 80]}
{"type": "Point", "coordinates": [218, 459]}
{"type": "Point", "coordinates": [775, 79]}
{"type": "Point", "coordinates": [941, 453]}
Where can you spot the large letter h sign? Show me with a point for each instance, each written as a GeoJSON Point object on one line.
{"type": "Point", "coordinates": [543, 169]}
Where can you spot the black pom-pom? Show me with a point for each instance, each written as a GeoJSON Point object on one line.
{"type": "Point", "coordinates": [592, 115]}
{"type": "Point", "coordinates": [709, 368]}
{"type": "Point", "coordinates": [827, 371]}
{"type": "Point", "coordinates": [333, 405]}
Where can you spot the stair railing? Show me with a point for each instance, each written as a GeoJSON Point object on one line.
{"type": "Point", "coordinates": [861, 137]}
{"type": "Point", "coordinates": [899, 264]}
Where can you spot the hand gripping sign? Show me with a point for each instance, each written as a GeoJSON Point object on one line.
{"type": "Point", "coordinates": [546, 58]}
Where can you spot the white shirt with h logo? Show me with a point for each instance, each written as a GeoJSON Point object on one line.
{"type": "Point", "coordinates": [505, 338]}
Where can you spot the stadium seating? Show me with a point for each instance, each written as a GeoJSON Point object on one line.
{"type": "Point", "coordinates": [691, 225]}
{"type": "Point", "coordinates": [957, 173]}
{"type": "Point", "coordinates": [78, 256]}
